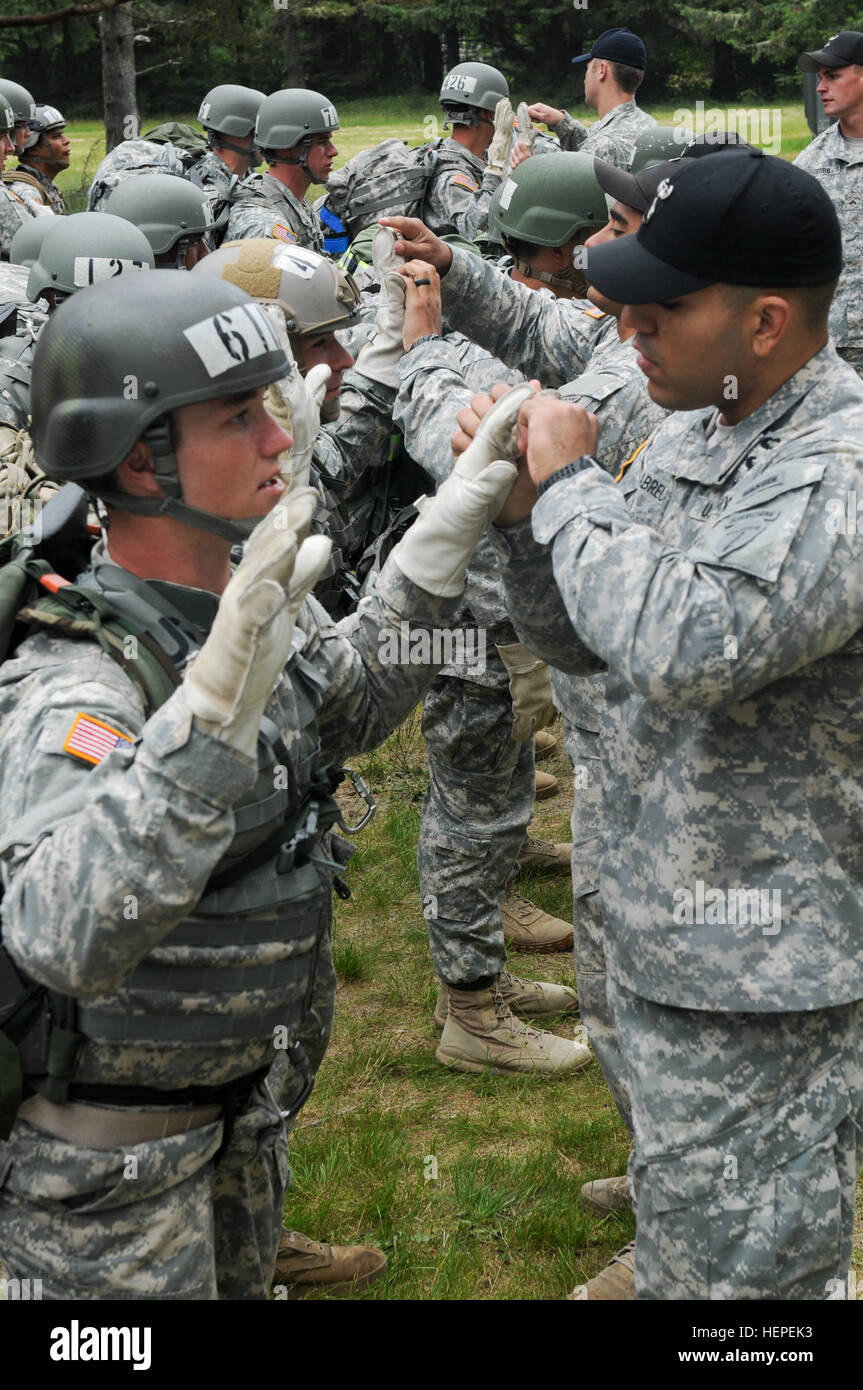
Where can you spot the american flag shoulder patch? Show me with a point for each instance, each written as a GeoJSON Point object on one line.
{"type": "Point", "coordinates": [464, 182]}
{"type": "Point", "coordinates": [284, 233]}
{"type": "Point", "coordinates": [91, 739]}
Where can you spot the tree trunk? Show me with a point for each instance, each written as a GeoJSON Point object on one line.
{"type": "Point", "coordinates": [291, 48]}
{"type": "Point", "coordinates": [450, 46]}
{"type": "Point", "coordinates": [119, 98]}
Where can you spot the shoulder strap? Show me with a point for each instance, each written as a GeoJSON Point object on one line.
{"type": "Point", "coordinates": [81, 612]}
{"type": "Point", "coordinates": [11, 176]}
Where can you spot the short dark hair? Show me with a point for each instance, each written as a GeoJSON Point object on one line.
{"type": "Point", "coordinates": [627, 77]}
{"type": "Point", "coordinates": [814, 300]}
{"type": "Point", "coordinates": [521, 250]}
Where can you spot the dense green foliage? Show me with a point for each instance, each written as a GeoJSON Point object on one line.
{"type": "Point", "coordinates": [353, 48]}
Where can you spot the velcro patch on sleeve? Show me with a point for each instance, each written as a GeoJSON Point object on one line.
{"type": "Point", "coordinates": [91, 739]}
{"type": "Point", "coordinates": [284, 233]}
{"type": "Point", "coordinates": [464, 182]}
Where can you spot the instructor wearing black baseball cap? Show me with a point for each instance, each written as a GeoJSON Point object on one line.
{"type": "Point", "coordinates": [615, 69]}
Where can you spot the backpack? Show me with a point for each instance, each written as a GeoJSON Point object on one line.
{"type": "Point", "coordinates": [189, 143]}
{"type": "Point", "coordinates": [388, 178]}
{"type": "Point", "coordinates": [37, 1028]}
{"type": "Point", "coordinates": [129, 158]}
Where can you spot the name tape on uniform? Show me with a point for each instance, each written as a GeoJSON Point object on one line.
{"type": "Point", "coordinates": [235, 336]}
{"type": "Point", "coordinates": [91, 270]}
{"type": "Point", "coordinates": [297, 260]}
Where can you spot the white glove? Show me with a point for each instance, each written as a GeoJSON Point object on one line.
{"type": "Point", "coordinates": [530, 688]}
{"type": "Point", "coordinates": [231, 679]}
{"type": "Point", "coordinates": [295, 401]}
{"type": "Point", "coordinates": [497, 159]}
{"type": "Point", "coordinates": [434, 554]}
{"type": "Point", "coordinates": [379, 357]}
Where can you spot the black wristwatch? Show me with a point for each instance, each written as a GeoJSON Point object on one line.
{"type": "Point", "coordinates": [569, 470]}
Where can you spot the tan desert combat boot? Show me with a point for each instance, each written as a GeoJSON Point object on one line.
{"type": "Point", "coordinates": [614, 1284]}
{"type": "Point", "coordinates": [527, 998]}
{"type": "Point", "coordinates": [302, 1264]}
{"type": "Point", "coordinates": [482, 1033]}
{"type": "Point", "coordinates": [527, 928]}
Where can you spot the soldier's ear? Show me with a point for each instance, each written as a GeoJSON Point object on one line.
{"type": "Point", "coordinates": [137, 472]}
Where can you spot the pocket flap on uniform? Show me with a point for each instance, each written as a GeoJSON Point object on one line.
{"type": "Point", "coordinates": [755, 533]}
{"type": "Point", "coordinates": [769, 1138]}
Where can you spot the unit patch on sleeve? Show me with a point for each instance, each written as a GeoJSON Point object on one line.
{"type": "Point", "coordinates": [91, 740]}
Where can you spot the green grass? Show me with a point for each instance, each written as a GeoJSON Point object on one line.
{"type": "Point", "coordinates": [365, 122]}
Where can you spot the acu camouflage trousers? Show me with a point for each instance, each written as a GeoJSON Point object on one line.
{"type": "Point", "coordinates": [748, 1139]}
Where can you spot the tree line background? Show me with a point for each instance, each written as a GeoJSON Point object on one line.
{"type": "Point", "coordinates": [363, 48]}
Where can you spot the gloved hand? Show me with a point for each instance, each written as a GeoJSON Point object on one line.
{"type": "Point", "coordinates": [379, 357]}
{"type": "Point", "coordinates": [497, 158]}
{"type": "Point", "coordinates": [530, 688]}
{"type": "Point", "coordinates": [526, 130]}
{"type": "Point", "coordinates": [235, 672]}
{"type": "Point", "coordinates": [435, 553]}
{"type": "Point", "coordinates": [295, 401]}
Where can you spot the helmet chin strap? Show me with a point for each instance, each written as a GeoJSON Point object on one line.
{"type": "Point", "coordinates": [571, 279]}
{"type": "Point", "coordinates": [219, 141]}
{"type": "Point", "coordinates": [158, 437]}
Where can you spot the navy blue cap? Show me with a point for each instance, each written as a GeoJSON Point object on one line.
{"type": "Point", "coordinates": [746, 219]}
{"type": "Point", "coordinates": [618, 46]}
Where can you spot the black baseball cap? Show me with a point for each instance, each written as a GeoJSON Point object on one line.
{"type": "Point", "coordinates": [635, 190]}
{"type": "Point", "coordinates": [713, 141]}
{"type": "Point", "coordinates": [840, 50]}
{"type": "Point", "coordinates": [618, 46]}
{"type": "Point", "coordinates": [746, 219]}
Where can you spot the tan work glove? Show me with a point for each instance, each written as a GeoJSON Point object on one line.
{"type": "Point", "coordinates": [295, 401]}
{"type": "Point", "coordinates": [434, 554]}
{"type": "Point", "coordinates": [231, 679]}
{"type": "Point", "coordinates": [530, 688]}
{"type": "Point", "coordinates": [497, 159]}
{"type": "Point", "coordinates": [379, 358]}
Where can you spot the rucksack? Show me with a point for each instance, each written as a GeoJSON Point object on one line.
{"type": "Point", "coordinates": [388, 178]}
{"type": "Point", "coordinates": [129, 158]}
{"type": "Point", "coordinates": [190, 143]}
{"type": "Point", "coordinates": [37, 1033]}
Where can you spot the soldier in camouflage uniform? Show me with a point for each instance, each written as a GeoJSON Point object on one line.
{"type": "Point", "coordinates": [172, 849]}
{"type": "Point", "coordinates": [15, 208]}
{"type": "Point", "coordinates": [292, 131]}
{"type": "Point", "coordinates": [228, 114]}
{"type": "Point", "coordinates": [835, 158]}
{"type": "Point", "coordinates": [470, 164]}
{"type": "Point", "coordinates": [613, 387]}
{"type": "Point", "coordinates": [46, 153]}
{"type": "Point", "coordinates": [615, 70]}
{"type": "Point", "coordinates": [480, 797]}
{"type": "Point", "coordinates": [22, 103]}
{"type": "Point", "coordinates": [726, 600]}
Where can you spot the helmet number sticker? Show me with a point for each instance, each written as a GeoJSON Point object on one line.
{"type": "Point", "coordinates": [329, 117]}
{"type": "Point", "coordinates": [459, 82]}
{"type": "Point", "coordinates": [90, 270]}
{"type": "Point", "coordinates": [296, 260]}
{"type": "Point", "coordinates": [204, 111]}
{"type": "Point", "coordinates": [235, 336]}
{"type": "Point", "coordinates": [506, 193]}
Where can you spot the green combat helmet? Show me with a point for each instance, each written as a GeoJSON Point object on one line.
{"type": "Point", "coordinates": [230, 110]}
{"type": "Point", "coordinates": [20, 100]}
{"type": "Point", "coordinates": [313, 292]}
{"type": "Point", "coordinates": [7, 116]}
{"type": "Point", "coordinates": [168, 210]}
{"type": "Point", "coordinates": [658, 144]}
{"type": "Point", "coordinates": [84, 249]}
{"type": "Point", "coordinates": [547, 202]}
{"type": "Point", "coordinates": [291, 117]}
{"type": "Point", "coordinates": [44, 118]}
{"type": "Point", "coordinates": [470, 88]}
{"type": "Point", "coordinates": [111, 365]}
{"type": "Point", "coordinates": [28, 239]}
